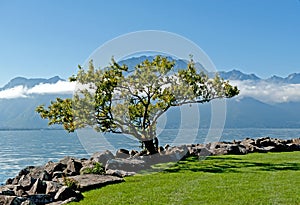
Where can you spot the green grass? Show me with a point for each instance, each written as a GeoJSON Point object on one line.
{"type": "Point", "coordinates": [272, 178]}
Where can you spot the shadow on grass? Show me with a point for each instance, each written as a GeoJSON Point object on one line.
{"type": "Point", "coordinates": [229, 164]}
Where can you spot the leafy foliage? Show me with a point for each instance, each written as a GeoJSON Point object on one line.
{"type": "Point", "coordinates": [71, 183]}
{"type": "Point", "coordinates": [96, 169]}
{"type": "Point", "coordinates": [118, 100]}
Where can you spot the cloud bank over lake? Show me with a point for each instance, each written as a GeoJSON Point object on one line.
{"type": "Point", "coordinates": [268, 92]}
{"type": "Point", "coordinates": [60, 87]}
{"type": "Point", "coordinates": [262, 90]}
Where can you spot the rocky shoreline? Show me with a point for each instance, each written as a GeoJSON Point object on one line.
{"type": "Point", "coordinates": [63, 181]}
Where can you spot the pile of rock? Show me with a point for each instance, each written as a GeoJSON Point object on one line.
{"type": "Point", "coordinates": [47, 184]}
{"type": "Point", "coordinates": [262, 145]}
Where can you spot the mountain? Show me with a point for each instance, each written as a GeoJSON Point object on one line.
{"type": "Point", "coordinates": [293, 78]}
{"type": "Point", "coordinates": [179, 63]}
{"type": "Point", "coordinates": [241, 112]}
{"type": "Point", "coordinates": [237, 75]}
{"type": "Point", "coordinates": [29, 83]}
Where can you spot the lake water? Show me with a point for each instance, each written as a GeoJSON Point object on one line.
{"type": "Point", "coordinates": [36, 147]}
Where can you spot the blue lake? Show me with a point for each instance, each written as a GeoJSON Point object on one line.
{"type": "Point", "coordinates": [36, 147]}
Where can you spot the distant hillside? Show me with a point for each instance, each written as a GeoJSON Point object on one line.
{"type": "Point", "coordinates": [29, 83]}
{"type": "Point", "coordinates": [241, 113]}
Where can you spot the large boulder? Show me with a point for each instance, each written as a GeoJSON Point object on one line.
{"type": "Point", "coordinates": [129, 165]}
{"type": "Point", "coordinates": [119, 173]}
{"type": "Point", "coordinates": [122, 153]}
{"type": "Point", "coordinates": [52, 187]}
{"type": "Point", "coordinates": [102, 157]}
{"type": "Point", "coordinates": [52, 167]}
{"type": "Point", "coordinates": [176, 153]}
{"type": "Point", "coordinates": [92, 181]}
{"type": "Point", "coordinates": [26, 181]}
{"type": "Point", "coordinates": [11, 200]}
{"type": "Point", "coordinates": [39, 187]}
{"type": "Point", "coordinates": [73, 167]}
{"type": "Point", "coordinates": [65, 193]}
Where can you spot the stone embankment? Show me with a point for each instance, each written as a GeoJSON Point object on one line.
{"type": "Point", "coordinates": [63, 181]}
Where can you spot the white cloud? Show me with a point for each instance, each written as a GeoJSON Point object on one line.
{"type": "Point", "coordinates": [61, 87]}
{"type": "Point", "coordinates": [269, 92]}
{"type": "Point", "coordinates": [16, 92]}
{"type": "Point", "coordinates": [263, 91]}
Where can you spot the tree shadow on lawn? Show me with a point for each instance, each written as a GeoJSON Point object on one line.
{"type": "Point", "coordinates": [228, 164]}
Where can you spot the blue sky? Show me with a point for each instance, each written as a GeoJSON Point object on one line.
{"type": "Point", "coordinates": [47, 38]}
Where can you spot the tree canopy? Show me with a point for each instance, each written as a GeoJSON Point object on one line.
{"type": "Point", "coordinates": [118, 100]}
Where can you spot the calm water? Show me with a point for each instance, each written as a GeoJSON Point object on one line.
{"type": "Point", "coordinates": [36, 147]}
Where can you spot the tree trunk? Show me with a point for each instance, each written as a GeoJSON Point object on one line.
{"type": "Point", "coordinates": [151, 145]}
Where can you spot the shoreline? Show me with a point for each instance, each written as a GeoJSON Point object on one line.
{"type": "Point", "coordinates": [54, 182]}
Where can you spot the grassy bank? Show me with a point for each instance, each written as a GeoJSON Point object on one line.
{"type": "Point", "coordinates": [272, 178]}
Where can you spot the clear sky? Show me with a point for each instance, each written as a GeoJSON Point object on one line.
{"type": "Point", "coordinates": [43, 38]}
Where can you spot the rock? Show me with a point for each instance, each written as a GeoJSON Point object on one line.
{"type": "Point", "coordinates": [293, 147]}
{"type": "Point", "coordinates": [28, 202]}
{"type": "Point", "coordinates": [73, 167]}
{"type": "Point", "coordinates": [19, 191]}
{"type": "Point", "coordinates": [7, 190]}
{"type": "Point", "coordinates": [26, 181]}
{"type": "Point", "coordinates": [160, 149]}
{"type": "Point", "coordinates": [65, 193]}
{"type": "Point", "coordinates": [129, 165]}
{"type": "Point", "coordinates": [132, 153]}
{"type": "Point", "coordinates": [92, 181]}
{"type": "Point", "coordinates": [52, 167]}
{"type": "Point", "coordinates": [39, 187]}
{"type": "Point", "coordinates": [11, 200]}
{"type": "Point", "coordinates": [8, 181]}
{"type": "Point", "coordinates": [58, 174]}
{"type": "Point", "coordinates": [119, 173]}
{"type": "Point", "coordinates": [204, 152]}
{"type": "Point", "coordinates": [102, 157]}
{"type": "Point", "coordinates": [40, 198]}
{"type": "Point", "coordinates": [45, 176]}
{"type": "Point", "coordinates": [122, 153]}
{"type": "Point", "coordinates": [167, 146]}
{"type": "Point", "coordinates": [236, 149]}
{"type": "Point", "coordinates": [72, 199]}
{"type": "Point", "coordinates": [177, 153]}
{"type": "Point", "coordinates": [52, 187]}
{"type": "Point", "coordinates": [15, 180]}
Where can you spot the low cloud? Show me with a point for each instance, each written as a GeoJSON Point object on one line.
{"type": "Point", "coordinates": [269, 92]}
{"type": "Point", "coordinates": [61, 87]}
{"type": "Point", "coordinates": [263, 91]}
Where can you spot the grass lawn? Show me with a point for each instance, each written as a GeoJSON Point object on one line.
{"type": "Point", "coordinates": [272, 178]}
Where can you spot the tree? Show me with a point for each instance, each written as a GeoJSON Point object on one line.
{"type": "Point", "coordinates": [119, 100]}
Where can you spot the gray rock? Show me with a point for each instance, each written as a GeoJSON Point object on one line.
{"type": "Point", "coordinates": [39, 187]}
{"type": "Point", "coordinates": [73, 167]}
{"type": "Point", "coordinates": [7, 190]}
{"type": "Point", "coordinates": [11, 200]}
{"type": "Point", "coordinates": [92, 181]}
{"type": "Point", "coordinates": [52, 167]}
{"type": "Point", "coordinates": [52, 187]}
{"type": "Point", "coordinates": [122, 153]}
{"type": "Point", "coordinates": [129, 165]}
{"type": "Point", "coordinates": [119, 173]}
{"type": "Point", "coordinates": [177, 153]}
{"type": "Point", "coordinates": [19, 191]}
{"type": "Point", "coordinates": [65, 193]}
{"type": "Point", "coordinates": [28, 202]}
{"type": "Point", "coordinates": [133, 152]}
{"type": "Point", "coordinates": [8, 181]}
{"type": "Point", "coordinates": [102, 157]}
{"type": "Point", "coordinates": [26, 181]}
{"type": "Point", "coordinates": [40, 198]}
